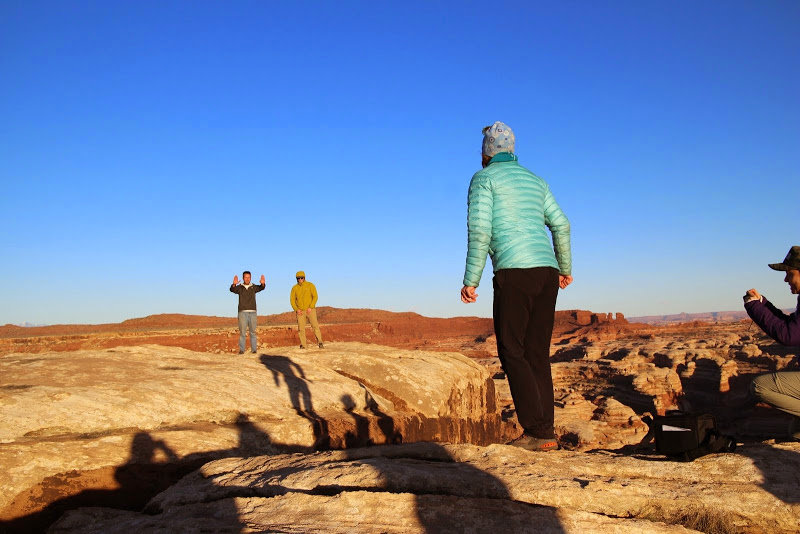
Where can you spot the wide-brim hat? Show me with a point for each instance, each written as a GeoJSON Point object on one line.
{"type": "Point", "coordinates": [790, 262]}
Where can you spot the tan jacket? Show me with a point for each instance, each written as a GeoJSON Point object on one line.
{"type": "Point", "coordinates": [303, 296]}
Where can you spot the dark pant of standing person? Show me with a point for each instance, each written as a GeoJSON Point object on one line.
{"type": "Point", "coordinates": [524, 312]}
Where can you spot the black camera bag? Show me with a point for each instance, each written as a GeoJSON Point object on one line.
{"type": "Point", "coordinates": [686, 436]}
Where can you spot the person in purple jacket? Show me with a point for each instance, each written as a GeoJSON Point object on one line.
{"type": "Point", "coordinates": [781, 389]}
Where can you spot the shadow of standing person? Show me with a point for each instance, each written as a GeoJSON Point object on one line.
{"type": "Point", "coordinates": [296, 382]}
{"type": "Point", "coordinates": [252, 440]}
{"type": "Point", "coordinates": [145, 473]}
{"type": "Point", "coordinates": [151, 467]}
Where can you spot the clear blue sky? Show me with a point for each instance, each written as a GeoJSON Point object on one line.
{"type": "Point", "coordinates": [151, 150]}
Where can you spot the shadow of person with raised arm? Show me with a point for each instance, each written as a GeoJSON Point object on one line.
{"type": "Point", "coordinates": [146, 472]}
{"type": "Point", "coordinates": [152, 466]}
{"type": "Point", "coordinates": [360, 435]}
{"type": "Point", "coordinates": [283, 368]}
{"type": "Point", "coordinates": [252, 440]}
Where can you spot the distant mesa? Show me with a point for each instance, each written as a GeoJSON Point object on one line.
{"type": "Point", "coordinates": [703, 317]}
{"type": "Point", "coordinates": [585, 318]}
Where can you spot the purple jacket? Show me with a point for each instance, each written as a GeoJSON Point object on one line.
{"type": "Point", "coordinates": [784, 329]}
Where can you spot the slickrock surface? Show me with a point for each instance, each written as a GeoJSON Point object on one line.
{"type": "Point", "coordinates": [428, 487]}
{"type": "Point", "coordinates": [101, 420]}
{"type": "Point", "coordinates": [87, 418]}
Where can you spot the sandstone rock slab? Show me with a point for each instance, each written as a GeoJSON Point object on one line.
{"type": "Point", "coordinates": [64, 414]}
{"type": "Point", "coordinates": [415, 488]}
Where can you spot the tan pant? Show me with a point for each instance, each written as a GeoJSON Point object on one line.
{"type": "Point", "coordinates": [301, 326]}
{"type": "Point", "coordinates": [781, 389]}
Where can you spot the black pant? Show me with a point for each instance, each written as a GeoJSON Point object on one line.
{"type": "Point", "coordinates": [524, 311]}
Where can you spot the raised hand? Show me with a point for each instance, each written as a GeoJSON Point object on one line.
{"type": "Point", "coordinates": [236, 279]}
{"type": "Point", "coordinates": [263, 280]}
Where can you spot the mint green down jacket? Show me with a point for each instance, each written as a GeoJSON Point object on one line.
{"type": "Point", "coordinates": [508, 210]}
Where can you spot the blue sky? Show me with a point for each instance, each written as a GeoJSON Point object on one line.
{"type": "Point", "coordinates": [152, 150]}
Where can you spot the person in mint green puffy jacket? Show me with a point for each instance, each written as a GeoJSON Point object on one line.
{"type": "Point", "coordinates": [510, 211]}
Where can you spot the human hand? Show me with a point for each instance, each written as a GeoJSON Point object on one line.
{"type": "Point", "coordinates": [308, 310]}
{"type": "Point", "coordinates": [564, 280]}
{"type": "Point", "coordinates": [263, 280]}
{"type": "Point", "coordinates": [468, 294]}
{"type": "Point", "coordinates": [300, 312]}
{"type": "Point", "coordinates": [235, 279]}
{"type": "Point", "coordinates": [751, 294]}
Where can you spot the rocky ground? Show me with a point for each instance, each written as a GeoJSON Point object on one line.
{"type": "Point", "coordinates": [430, 487]}
{"type": "Point", "coordinates": [98, 420]}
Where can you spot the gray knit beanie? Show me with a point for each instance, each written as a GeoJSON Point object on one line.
{"type": "Point", "coordinates": [497, 138]}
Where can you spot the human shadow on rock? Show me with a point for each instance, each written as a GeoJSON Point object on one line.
{"type": "Point", "coordinates": [293, 376]}
{"type": "Point", "coordinates": [362, 434]}
{"type": "Point", "coordinates": [152, 467]}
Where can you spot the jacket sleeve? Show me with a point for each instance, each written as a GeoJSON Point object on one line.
{"type": "Point", "coordinates": [313, 296]}
{"type": "Point", "coordinates": [236, 289]}
{"type": "Point", "coordinates": [480, 203]}
{"type": "Point", "coordinates": [260, 287]}
{"type": "Point", "coordinates": [785, 329]}
{"type": "Point", "coordinates": [558, 223]}
{"type": "Point", "coordinates": [293, 298]}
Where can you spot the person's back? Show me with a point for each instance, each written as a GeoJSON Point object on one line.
{"type": "Point", "coordinates": [510, 210]}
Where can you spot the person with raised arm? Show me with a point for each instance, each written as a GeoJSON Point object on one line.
{"type": "Point", "coordinates": [248, 316]}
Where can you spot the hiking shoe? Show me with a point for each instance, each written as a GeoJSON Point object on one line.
{"type": "Point", "coordinates": [241, 352]}
{"type": "Point", "coordinates": [302, 346]}
{"type": "Point", "coordinates": [253, 351]}
{"type": "Point", "coordinates": [321, 345]}
{"type": "Point", "coordinates": [531, 443]}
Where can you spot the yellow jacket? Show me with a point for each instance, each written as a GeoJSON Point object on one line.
{"type": "Point", "coordinates": [303, 296]}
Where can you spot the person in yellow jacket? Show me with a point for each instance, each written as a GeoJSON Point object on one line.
{"type": "Point", "coordinates": [304, 300]}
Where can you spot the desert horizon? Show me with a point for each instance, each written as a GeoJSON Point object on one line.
{"type": "Point", "coordinates": [671, 318]}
